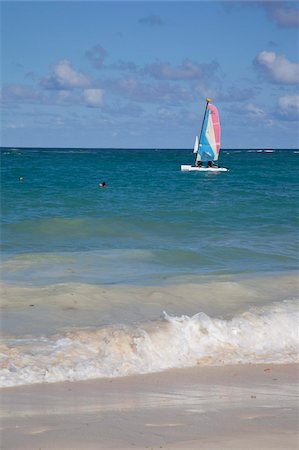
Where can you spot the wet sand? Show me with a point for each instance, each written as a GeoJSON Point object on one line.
{"type": "Point", "coordinates": [231, 407]}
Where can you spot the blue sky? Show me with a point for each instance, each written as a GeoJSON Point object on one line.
{"type": "Point", "coordinates": [136, 74]}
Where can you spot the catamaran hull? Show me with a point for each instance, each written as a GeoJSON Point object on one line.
{"type": "Point", "coordinates": [187, 168]}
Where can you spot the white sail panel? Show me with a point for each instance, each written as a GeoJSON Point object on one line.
{"type": "Point", "coordinates": [210, 134]}
{"type": "Point", "coordinates": [196, 144]}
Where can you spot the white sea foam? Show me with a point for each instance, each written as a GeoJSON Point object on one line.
{"type": "Point", "coordinates": [264, 335]}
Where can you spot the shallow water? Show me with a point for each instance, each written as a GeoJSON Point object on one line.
{"type": "Point", "coordinates": [151, 222]}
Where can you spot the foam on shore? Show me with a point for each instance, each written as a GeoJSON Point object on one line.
{"type": "Point", "coordinates": [267, 334]}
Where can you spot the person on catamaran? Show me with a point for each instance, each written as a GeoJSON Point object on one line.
{"type": "Point", "coordinates": [212, 164]}
{"type": "Point", "coordinates": [199, 164]}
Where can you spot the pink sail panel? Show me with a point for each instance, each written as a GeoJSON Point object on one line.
{"type": "Point", "coordinates": [216, 125]}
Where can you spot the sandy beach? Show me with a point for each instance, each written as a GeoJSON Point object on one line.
{"type": "Point", "coordinates": [232, 407]}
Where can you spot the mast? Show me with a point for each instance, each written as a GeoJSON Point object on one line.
{"type": "Point", "coordinates": [208, 100]}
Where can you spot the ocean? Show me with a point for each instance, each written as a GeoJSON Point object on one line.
{"type": "Point", "coordinates": [160, 269]}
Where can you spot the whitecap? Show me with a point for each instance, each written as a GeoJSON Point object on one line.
{"type": "Point", "coordinates": [261, 335]}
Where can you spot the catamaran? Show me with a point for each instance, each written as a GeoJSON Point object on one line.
{"type": "Point", "coordinates": [207, 146]}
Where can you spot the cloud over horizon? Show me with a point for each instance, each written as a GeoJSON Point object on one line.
{"type": "Point", "coordinates": [93, 97]}
{"type": "Point", "coordinates": [20, 93]}
{"type": "Point", "coordinates": [277, 68]}
{"type": "Point", "coordinates": [288, 107]}
{"type": "Point", "coordinates": [63, 76]}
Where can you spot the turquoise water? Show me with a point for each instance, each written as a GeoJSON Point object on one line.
{"type": "Point", "coordinates": [162, 269]}
{"type": "Point", "coordinates": [152, 222]}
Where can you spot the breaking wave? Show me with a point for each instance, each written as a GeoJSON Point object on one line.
{"type": "Point", "coordinates": [261, 335]}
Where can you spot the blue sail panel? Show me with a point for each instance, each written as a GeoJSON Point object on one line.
{"type": "Point", "coordinates": [205, 151]}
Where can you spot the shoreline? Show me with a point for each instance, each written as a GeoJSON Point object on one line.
{"type": "Point", "coordinates": [227, 407]}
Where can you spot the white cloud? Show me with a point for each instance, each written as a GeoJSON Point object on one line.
{"type": "Point", "coordinates": [289, 107]}
{"type": "Point", "coordinates": [289, 101]}
{"type": "Point", "coordinates": [283, 15]}
{"type": "Point", "coordinates": [63, 76]}
{"type": "Point", "coordinates": [277, 67]}
{"type": "Point", "coordinates": [20, 93]}
{"type": "Point", "coordinates": [93, 97]}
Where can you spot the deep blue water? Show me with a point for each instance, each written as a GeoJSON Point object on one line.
{"type": "Point", "coordinates": [151, 221]}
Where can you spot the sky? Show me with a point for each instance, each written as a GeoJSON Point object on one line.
{"type": "Point", "coordinates": [120, 74]}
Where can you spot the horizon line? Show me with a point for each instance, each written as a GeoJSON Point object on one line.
{"type": "Point", "coordinates": [135, 148]}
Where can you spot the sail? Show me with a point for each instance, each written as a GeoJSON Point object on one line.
{"type": "Point", "coordinates": [209, 145]}
{"type": "Point", "coordinates": [196, 145]}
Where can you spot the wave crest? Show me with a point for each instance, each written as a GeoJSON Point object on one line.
{"type": "Point", "coordinates": [264, 335]}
